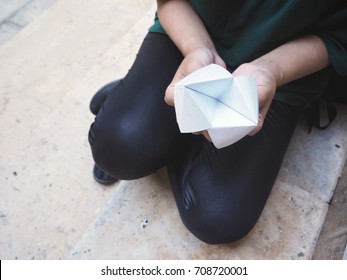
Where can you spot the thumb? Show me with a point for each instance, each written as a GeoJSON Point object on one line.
{"type": "Point", "coordinates": [169, 93]}
{"type": "Point", "coordinates": [219, 61]}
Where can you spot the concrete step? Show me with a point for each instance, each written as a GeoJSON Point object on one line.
{"type": "Point", "coordinates": [332, 241]}
{"type": "Point", "coordinates": [16, 14]}
{"type": "Point", "coordinates": [50, 207]}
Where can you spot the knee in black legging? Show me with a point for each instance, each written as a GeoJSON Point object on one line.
{"type": "Point", "coordinates": [221, 193]}
{"type": "Point", "coordinates": [135, 130]}
{"type": "Point", "coordinates": [119, 147]}
{"type": "Point", "coordinates": [130, 143]}
{"type": "Point", "coordinates": [219, 220]}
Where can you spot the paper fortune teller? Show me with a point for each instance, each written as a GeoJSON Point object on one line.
{"type": "Point", "coordinates": [212, 99]}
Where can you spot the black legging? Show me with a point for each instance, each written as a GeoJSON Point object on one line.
{"type": "Point", "coordinates": [220, 193]}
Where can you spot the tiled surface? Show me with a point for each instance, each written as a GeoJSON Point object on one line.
{"type": "Point", "coordinates": [31, 11]}
{"type": "Point", "coordinates": [316, 154]}
{"type": "Point", "coordinates": [332, 240]}
{"type": "Point", "coordinates": [9, 7]}
{"type": "Point", "coordinates": [50, 208]}
{"type": "Point", "coordinates": [16, 14]}
{"type": "Point", "coordinates": [8, 30]}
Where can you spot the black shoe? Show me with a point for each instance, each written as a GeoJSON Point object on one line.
{"type": "Point", "coordinates": [101, 95]}
{"type": "Point", "coordinates": [102, 177]}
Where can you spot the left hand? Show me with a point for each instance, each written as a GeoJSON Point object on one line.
{"type": "Point", "coordinates": [266, 85]}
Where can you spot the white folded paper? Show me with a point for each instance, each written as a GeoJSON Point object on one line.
{"type": "Point", "coordinates": [212, 99]}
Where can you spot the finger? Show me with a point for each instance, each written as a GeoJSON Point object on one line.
{"type": "Point", "coordinates": [207, 135]}
{"type": "Point", "coordinates": [204, 133]}
{"type": "Point", "coordinates": [260, 124]}
{"type": "Point", "coordinates": [264, 105]}
{"type": "Point", "coordinates": [169, 93]}
{"type": "Point", "coordinates": [219, 61]}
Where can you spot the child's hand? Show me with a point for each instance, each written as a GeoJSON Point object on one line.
{"type": "Point", "coordinates": [266, 84]}
{"type": "Point", "coordinates": [193, 61]}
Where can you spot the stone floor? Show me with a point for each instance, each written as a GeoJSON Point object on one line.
{"type": "Point", "coordinates": [50, 207]}
{"type": "Point", "coordinates": [333, 236]}
{"type": "Point", "coordinates": [16, 14]}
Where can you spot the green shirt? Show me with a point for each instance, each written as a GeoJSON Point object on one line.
{"type": "Point", "coordinates": [243, 30]}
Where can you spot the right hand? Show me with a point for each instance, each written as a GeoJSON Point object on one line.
{"type": "Point", "coordinates": [193, 61]}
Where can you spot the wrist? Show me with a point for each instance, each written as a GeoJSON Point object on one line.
{"type": "Point", "coordinates": [295, 59]}
{"type": "Point", "coordinates": [194, 45]}
{"type": "Point", "coordinates": [269, 65]}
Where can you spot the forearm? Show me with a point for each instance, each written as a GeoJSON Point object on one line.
{"type": "Point", "coordinates": [183, 26]}
{"type": "Point", "coordinates": [295, 59]}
